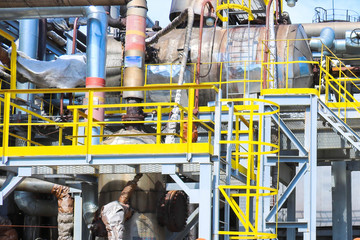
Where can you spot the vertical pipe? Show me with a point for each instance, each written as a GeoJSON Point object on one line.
{"type": "Point", "coordinates": [41, 52]}
{"type": "Point", "coordinates": [134, 75]}
{"type": "Point", "coordinates": [204, 3]}
{"type": "Point", "coordinates": [96, 55]}
{"type": "Point", "coordinates": [28, 43]}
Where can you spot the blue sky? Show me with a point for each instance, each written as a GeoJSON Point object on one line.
{"type": "Point", "coordinates": [303, 12]}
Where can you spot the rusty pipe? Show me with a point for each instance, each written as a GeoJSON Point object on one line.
{"type": "Point", "coordinates": [56, 3]}
{"type": "Point", "coordinates": [266, 54]}
{"type": "Point", "coordinates": [73, 50]}
{"type": "Point", "coordinates": [197, 79]}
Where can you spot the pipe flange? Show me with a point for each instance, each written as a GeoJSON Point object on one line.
{"type": "Point", "coordinates": [133, 117]}
{"type": "Point", "coordinates": [173, 210]}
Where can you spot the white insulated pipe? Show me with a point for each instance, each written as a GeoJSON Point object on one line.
{"type": "Point", "coordinates": [340, 28]}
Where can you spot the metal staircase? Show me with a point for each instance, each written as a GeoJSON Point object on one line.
{"type": "Point", "coordinates": [339, 126]}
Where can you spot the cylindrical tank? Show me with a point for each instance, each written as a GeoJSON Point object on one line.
{"type": "Point", "coordinates": [178, 6]}
{"type": "Point", "coordinates": [143, 224]}
{"type": "Point", "coordinates": [245, 45]}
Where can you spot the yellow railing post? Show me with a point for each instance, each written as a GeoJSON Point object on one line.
{"type": "Point", "coordinates": [75, 127]}
{"type": "Point", "coordinates": [326, 81]}
{"type": "Point", "coordinates": [60, 135]}
{"type": "Point", "coordinates": [13, 68]}
{"type": "Point", "coordinates": [89, 121]}
{"type": "Point", "coordinates": [29, 131]}
{"type": "Point", "coordinates": [6, 125]}
{"type": "Point", "coordinates": [181, 126]}
{"type": "Point", "coordinates": [158, 125]}
{"type": "Point", "coordinates": [101, 133]}
{"type": "Point", "coordinates": [287, 63]}
{"type": "Point", "coordinates": [190, 118]}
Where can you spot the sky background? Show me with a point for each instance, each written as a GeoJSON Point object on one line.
{"type": "Point", "coordinates": [303, 12]}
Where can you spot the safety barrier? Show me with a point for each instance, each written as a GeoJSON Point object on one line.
{"type": "Point", "coordinates": [248, 151]}
{"type": "Point", "coordinates": [12, 68]}
{"type": "Point", "coordinates": [66, 129]}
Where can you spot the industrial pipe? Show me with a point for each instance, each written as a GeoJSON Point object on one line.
{"type": "Point", "coordinates": [266, 52]}
{"type": "Point", "coordinates": [134, 75]}
{"type": "Point", "coordinates": [96, 55]}
{"type": "Point", "coordinates": [32, 185]}
{"type": "Point", "coordinates": [197, 78]}
{"type": "Point", "coordinates": [340, 28]}
{"type": "Point", "coordinates": [31, 206]}
{"type": "Point", "coordinates": [174, 24]}
{"type": "Point", "coordinates": [171, 126]}
{"type": "Point", "coordinates": [114, 22]}
{"type": "Point", "coordinates": [135, 47]}
{"type": "Point", "coordinates": [57, 3]}
{"type": "Point", "coordinates": [327, 37]}
{"type": "Point", "coordinates": [45, 12]}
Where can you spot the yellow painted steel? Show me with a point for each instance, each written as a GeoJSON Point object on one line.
{"type": "Point", "coordinates": [12, 67]}
{"type": "Point", "coordinates": [82, 116]}
{"type": "Point", "coordinates": [250, 152]}
{"type": "Point", "coordinates": [226, 5]}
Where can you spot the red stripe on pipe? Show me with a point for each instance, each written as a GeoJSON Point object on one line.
{"type": "Point", "coordinates": [93, 82]}
{"type": "Point", "coordinates": [134, 41]}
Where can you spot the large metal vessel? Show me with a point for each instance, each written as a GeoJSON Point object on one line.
{"type": "Point", "coordinates": [244, 52]}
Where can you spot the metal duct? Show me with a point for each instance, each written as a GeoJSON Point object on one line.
{"type": "Point", "coordinates": [57, 3]}
{"type": "Point", "coordinates": [31, 206]}
{"type": "Point", "coordinates": [327, 37]}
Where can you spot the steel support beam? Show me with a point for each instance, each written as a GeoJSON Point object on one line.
{"type": "Point", "coordinates": [217, 166]}
{"type": "Point", "coordinates": [341, 202]}
{"type": "Point", "coordinates": [311, 115]}
{"type": "Point", "coordinates": [205, 203]}
{"type": "Point", "coordinates": [78, 216]}
{"type": "Point", "coordinates": [12, 182]}
{"type": "Point", "coordinates": [290, 135]}
{"type": "Point", "coordinates": [291, 212]}
{"type": "Point", "coordinates": [290, 188]}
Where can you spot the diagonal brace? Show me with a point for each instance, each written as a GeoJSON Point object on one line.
{"type": "Point", "coordinates": [190, 223]}
{"type": "Point", "coordinates": [287, 192]}
{"type": "Point", "coordinates": [290, 135]}
{"type": "Point", "coordinates": [10, 184]}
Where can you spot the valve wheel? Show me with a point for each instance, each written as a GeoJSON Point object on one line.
{"type": "Point", "coordinates": [355, 36]}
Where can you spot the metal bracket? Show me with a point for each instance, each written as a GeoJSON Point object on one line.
{"type": "Point", "coordinates": [192, 193]}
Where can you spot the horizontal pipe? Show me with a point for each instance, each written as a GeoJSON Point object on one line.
{"type": "Point", "coordinates": [32, 185]}
{"type": "Point", "coordinates": [340, 28]}
{"type": "Point", "coordinates": [45, 12]}
{"type": "Point", "coordinates": [56, 3]}
{"type": "Point", "coordinates": [32, 206]}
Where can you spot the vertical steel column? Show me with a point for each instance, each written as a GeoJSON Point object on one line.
{"type": "Point", "coordinates": [291, 213]}
{"type": "Point", "coordinates": [229, 165]}
{"type": "Point", "coordinates": [205, 201]}
{"type": "Point", "coordinates": [216, 181]}
{"type": "Point", "coordinates": [265, 177]}
{"type": "Point", "coordinates": [78, 216]}
{"type": "Point", "coordinates": [341, 204]}
{"type": "Point", "coordinates": [310, 175]}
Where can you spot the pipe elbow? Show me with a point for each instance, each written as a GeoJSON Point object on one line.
{"type": "Point", "coordinates": [327, 37]}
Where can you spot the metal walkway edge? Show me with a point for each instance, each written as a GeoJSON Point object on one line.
{"type": "Point", "coordinates": [339, 126]}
